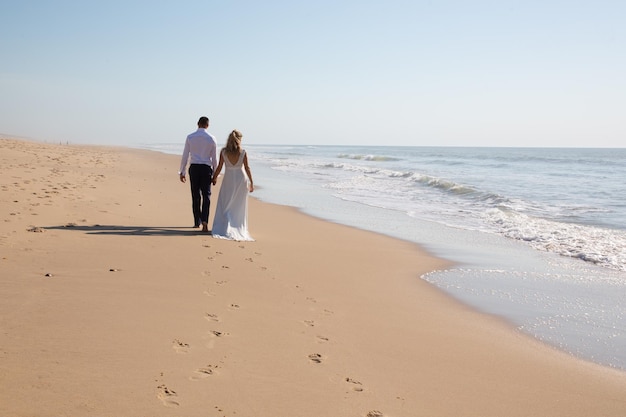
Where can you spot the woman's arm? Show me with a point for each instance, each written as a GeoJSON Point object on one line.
{"type": "Point", "coordinates": [248, 173]}
{"type": "Point", "coordinates": [219, 168]}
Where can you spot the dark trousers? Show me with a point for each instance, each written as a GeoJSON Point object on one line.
{"type": "Point", "coordinates": [200, 177]}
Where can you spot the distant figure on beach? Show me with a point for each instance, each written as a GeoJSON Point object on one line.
{"type": "Point", "coordinates": [231, 214]}
{"type": "Point", "coordinates": [201, 151]}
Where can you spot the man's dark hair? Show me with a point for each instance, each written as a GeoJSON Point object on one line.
{"type": "Point", "coordinates": [204, 121]}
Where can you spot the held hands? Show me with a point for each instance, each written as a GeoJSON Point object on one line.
{"type": "Point", "coordinates": [214, 181]}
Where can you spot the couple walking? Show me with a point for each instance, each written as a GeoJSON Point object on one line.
{"type": "Point", "coordinates": [231, 214]}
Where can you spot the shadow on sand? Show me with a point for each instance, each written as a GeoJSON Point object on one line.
{"type": "Point", "coordinates": [100, 229]}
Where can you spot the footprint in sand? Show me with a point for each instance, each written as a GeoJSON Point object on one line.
{"type": "Point", "coordinates": [167, 396]}
{"type": "Point", "coordinates": [356, 385]}
{"type": "Point", "coordinates": [212, 317]}
{"type": "Point", "coordinates": [315, 358]}
{"type": "Point", "coordinates": [375, 413]}
{"type": "Point", "coordinates": [180, 347]}
{"type": "Point", "coordinates": [234, 307]}
{"type": "Point", "coordinates": [204, 372]}
{"type": "Point", "coordinates": [322, 339]}
{"type": "Point", "coordinates": [213, 335]}
{"type": "Point", "coordinates": [217, 333]}
{"type": "Point", "coordinates": [309, 323]}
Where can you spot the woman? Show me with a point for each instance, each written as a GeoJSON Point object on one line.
{"type": "Point", "coordinates": [231, 213]}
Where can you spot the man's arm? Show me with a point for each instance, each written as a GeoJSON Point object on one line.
{"type": "Point", "coordinates": [183, 161]}
{"type": "Point", "coordinates": [214, 156]}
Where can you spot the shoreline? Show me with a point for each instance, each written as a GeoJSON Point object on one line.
{"type": "Point", "coordinates": [492, 273]}
{"type": "Point", "coordinates": [311, 310]}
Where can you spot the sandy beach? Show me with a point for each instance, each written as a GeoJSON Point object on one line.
{"type": "Point", "coordinates": [112, 305]}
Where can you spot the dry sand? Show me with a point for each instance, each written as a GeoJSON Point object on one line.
{"type": "Point", "coordinates": [111, 305]}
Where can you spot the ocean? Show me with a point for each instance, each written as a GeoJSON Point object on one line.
{"type": "Point", "coordinates": [537, 235]}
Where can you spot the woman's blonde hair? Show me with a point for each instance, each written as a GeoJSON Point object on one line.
{"type": "Point", "coordinates": [233, 144]}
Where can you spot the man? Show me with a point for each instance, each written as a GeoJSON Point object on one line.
{"type": "Point", "coordinates": [201, 151]}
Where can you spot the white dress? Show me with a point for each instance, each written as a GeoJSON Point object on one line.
{"type": "Point", "coordinates": [231, 213]}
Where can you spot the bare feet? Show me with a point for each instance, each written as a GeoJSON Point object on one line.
{"type": "Point", "coordinates": [205, 228]}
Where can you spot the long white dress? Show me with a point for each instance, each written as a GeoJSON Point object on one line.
{"type": "Point", "coordinates": [231, 213]}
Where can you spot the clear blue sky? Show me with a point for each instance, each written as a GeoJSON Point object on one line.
{"type": "Point", "coordinates": [459, 73]}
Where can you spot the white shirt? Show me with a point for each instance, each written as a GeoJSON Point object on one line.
{"type": "Point", "coordinates": [200, 148]}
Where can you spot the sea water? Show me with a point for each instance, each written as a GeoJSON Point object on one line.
{"type": "Point", "coordinates": [537, 235]}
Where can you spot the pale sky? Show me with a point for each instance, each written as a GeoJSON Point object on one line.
{"type": "Point", "coordinates": [422, 73]}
